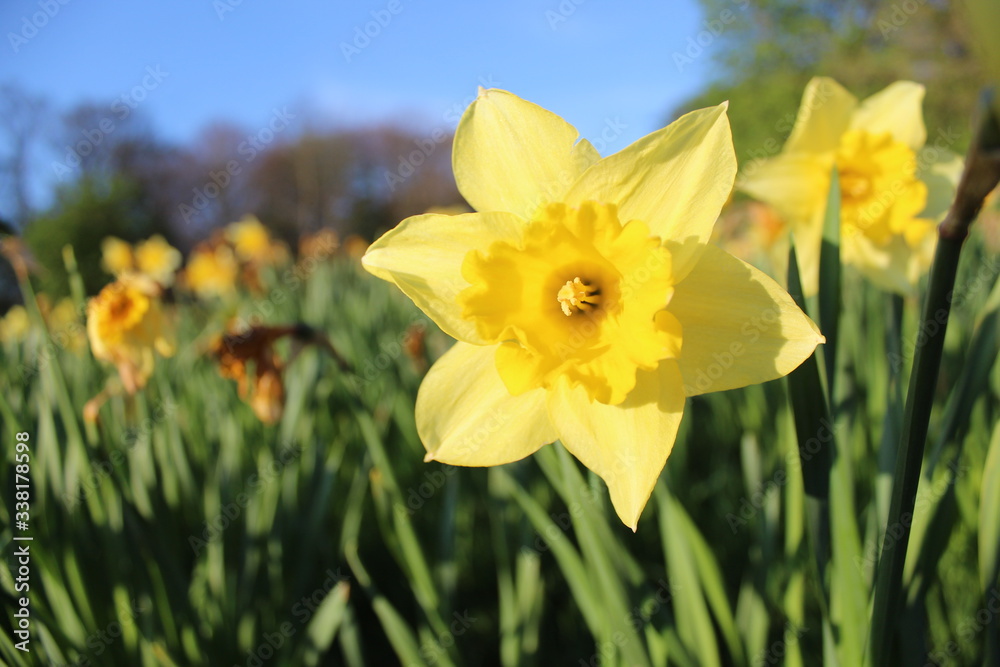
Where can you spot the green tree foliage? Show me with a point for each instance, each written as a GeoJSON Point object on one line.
{"type": "Point", "coordinates": [82, 216]}
{"type": "Point", "coordinates": [767, 50]}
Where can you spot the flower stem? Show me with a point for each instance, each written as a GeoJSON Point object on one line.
{"type": "Point", "coordinates": [982, 172]}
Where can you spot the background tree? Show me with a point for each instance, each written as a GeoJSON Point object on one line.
{"type": "Point", "coordinates": [770, 49]}
{"type": "Point", "coordinates": [23, 120]}
{"type": "Point", "coordinates": [84, 213]}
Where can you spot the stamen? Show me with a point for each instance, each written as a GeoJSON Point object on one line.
{"type": "Point", "coordinates": [577, 296]}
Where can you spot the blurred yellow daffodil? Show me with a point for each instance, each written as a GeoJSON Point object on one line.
{"type": "Point", "coordinates": [212, 271]}
{"type": "Point", "coordinates": [584, 295]}
{"type": "Point", "coordinates": [893, 189]}
{"type": "Point", "coordinates": [253, 243]}
{"type": "Point", "coordinates": [157, 259]}
{"type": "Point", "coordinates": [65, 328]}
{"type": "Point", "coordinates": [14, 325]}
{"type": "Point", "coordinates": [116, 256]}
{"type": "Point", "coordinates": [125, 324]}
{"type": "Point", "coordinates": [154, 258]}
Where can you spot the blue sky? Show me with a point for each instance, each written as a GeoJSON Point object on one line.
{"type": "Point", "coordinates": [596, 63]}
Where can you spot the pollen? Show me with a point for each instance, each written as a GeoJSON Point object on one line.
{"type": "Point", "coordinates": [577, 296]}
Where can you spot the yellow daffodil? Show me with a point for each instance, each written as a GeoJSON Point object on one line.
{"type": "Point", "coordinates": [157, 259]}
{"type": "Point", "coordinates": [253, 243]}
{"type": "Point", "coordinates": [116, 256]}
{"type": "Point", "coordinates": [125, 324]}
{"type": "Point", "coordinates": [212, 271]}
{"type": "Point", "coordinates": [893, 189]}
{"type": "Point", "coordinates": [64, 325]}
{"type": "Point", "coordinates": [15, 325]}
{"type": "Point", "coordinates": [585, 298]}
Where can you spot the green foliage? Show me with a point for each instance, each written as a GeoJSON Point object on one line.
{"type": "Point", "coordinates": [770, 49]}
{"type": "Point", "coordinates": [83, 215]}
{"type": "Point", "coordinates": [182, 531]}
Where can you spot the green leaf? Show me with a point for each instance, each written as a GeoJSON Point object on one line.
{"type": "Point", "coordinates": [829, 279]}
{"type": "Point", "coordinates": [989, 510]}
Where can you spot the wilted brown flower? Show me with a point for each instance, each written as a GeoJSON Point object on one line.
{"type": "Point", "coordinates": [248, 357]}
{"type": "Point", "coordinates": [319, 245]}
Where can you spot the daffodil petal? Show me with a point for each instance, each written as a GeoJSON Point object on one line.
{"type": "Point", "coordinates": [824, 115]}
{"type": "Point", "coordinates": [584, 154]}
{"type": "Point", "coordinates": [740, 327]}
{"type": "Point", "coordinates": [941, 171]}
{"type": "Point", "coordinates": [676, 180]}
{"type": "Point", "coordinates": [795, 184]}
{"type": "Point", "coordinates": [808, 239]}
{"type": "Point", "coordinates": [423, 256]}
{"type": "Point", "coordinates": [625, 444]}
{"type": "Point", "coordinates": [512, 155]}
{"type": "Point", "coordinates": [895, 267]}
{"type": "Point", "coordinates": [465, 415]}
{"type": "Point", "coordinates": [897, 110]}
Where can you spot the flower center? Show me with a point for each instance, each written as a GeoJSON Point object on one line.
{"type": "Point", "coordinates": [577, 296]}
{"type": "Point", "coordinates": [854, 186]}
{"type": "Point", "coordinates": [611, 284]}
{"type": "Point", "coordinates": [880, 193]}
{"type": "Point", "coordinates": [119, 309]}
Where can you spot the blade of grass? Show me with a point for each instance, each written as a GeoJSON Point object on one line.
{"type": "Point", "coordinates": [829, 279]}
{"type": "Point", "coordinates": [694, 623]}
{"type": "Point", "coordinates": [989, 543]}
{"type": "Point", "coordinates": [812, 418]}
